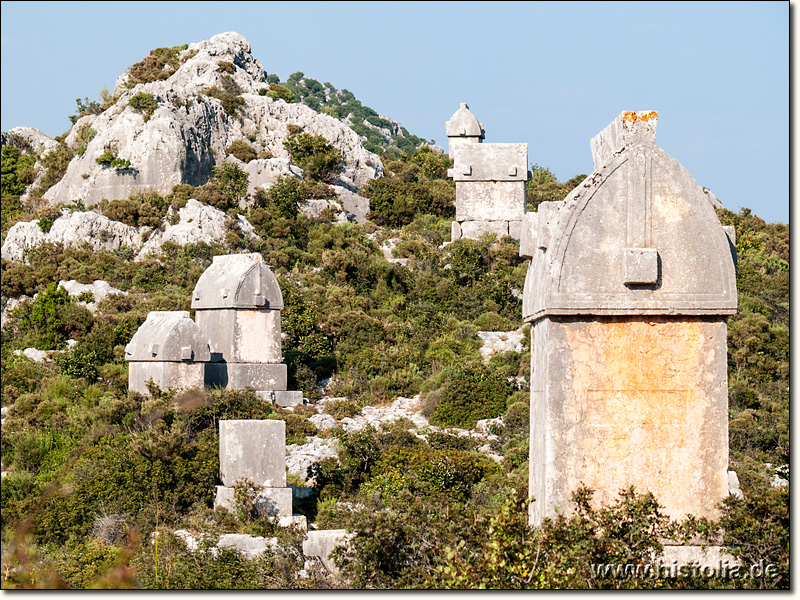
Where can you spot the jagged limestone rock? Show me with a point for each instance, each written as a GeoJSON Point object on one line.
{"type": "Point", "coordinates": [189, 132]}
{"type": "Point", "coordinates": [198, 222]}
{"type": "Point", "coordinates": [72, 229]}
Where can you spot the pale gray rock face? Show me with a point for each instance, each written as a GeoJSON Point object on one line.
{"type": "Point", "coordinates": [99, 288]}
{"type": "Point", "coordinates": [189, 132]}
{"type": "Point", "coordinates": [198, 223]}
{"type": "Point", "coordinates": [40, 143]}
{"type": "Point", "coordinates": [72, 229]}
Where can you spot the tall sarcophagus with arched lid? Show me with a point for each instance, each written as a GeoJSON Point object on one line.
{"type": "Point", "coordinates": [630, 283]}
{"type": "Point", "coordinates": [238, 305]}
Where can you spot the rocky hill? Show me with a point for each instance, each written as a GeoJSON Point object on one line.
{"type": "Point", "coordinates": [171, 121]}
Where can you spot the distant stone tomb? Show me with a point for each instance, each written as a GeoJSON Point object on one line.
{"type": "Point", "coordinates": [238, 307]}
{"type": "Point", "coordinates": [631, 281]}
{"type": "Point", "coordinates": [237, 337]}
{"type": "Point", "coordinates": [255, 451]}
{"type": "Point", "coordinates": [490, 180]}
{"type": "Point", "coordinates": [168, 349]}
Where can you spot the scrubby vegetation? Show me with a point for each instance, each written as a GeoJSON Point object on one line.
{"type": "Point", "coordinates": [382, 135]}
{"type": "Point", "coordinates": [98, 478]}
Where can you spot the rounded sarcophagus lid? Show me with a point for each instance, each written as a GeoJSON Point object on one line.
{"type": "Point", "coordinates": [464, 124]}
{"type": "Point", "coordinates": [238, 281]}
{"type": "Point", "coordinates": [168, 336]}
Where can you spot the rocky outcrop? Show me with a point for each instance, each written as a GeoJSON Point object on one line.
{"type": "Point", "coordinates": [38, 142]}
{"type": "Point", "coordinates": [198, 222]}
{"type": "Point", "coordinates": [72, 229]}
{"type": "Point", "coordinates": [189, 132]}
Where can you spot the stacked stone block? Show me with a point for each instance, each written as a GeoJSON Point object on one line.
{"type": "Point", "coordinates": [630, 283]}
{"type": "Point", "coordinates": [168, 349]}
{"type": "Point", "coordinates": [254, 450]}
{"type": "Point", "coordinates": [490, 180]}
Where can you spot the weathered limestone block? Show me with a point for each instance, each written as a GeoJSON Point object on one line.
{"type": "Point", "coordinates": [243, 335]}
{"type": "Point", "coordinates": [475, 229]}
{"type": "Point", "coordinates": [254, 450]}
{"type": "Point", "coordinates": [490, 162]}
{"type": "Point", "coordinates": [631, 280]}
{"type": "Point", "coordinates": [515, 229]}
{"type": "Point", "coordinates": [269, 501]}
{"type": "Point", "coordinates": [490, 201]}
{"type": "Point", "coordinates": [620, 401]}
{"type": "Point", "coordinates": [282, 397]}
{"type": "Point", "coordinates": [238, 303]}
{"type": "Point", "coordinates": [320, 544]}
{"type": "Point", "coordinates": [455, 231]}
{"type": "Point", "coordinates": [238, 376]}
{"type": "Point", "coordinates": [169, 349]}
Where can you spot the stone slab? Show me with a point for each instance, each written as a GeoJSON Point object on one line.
{"type": "Point", "coordinates": [490, 201]}
{"type": "Point", "coordinates": [238, 376]}
{"type": "Point", "coordinates": [455, 231]}
{"type": "Point", "coordinates": [527, 239]}
{"type": "Point", "coordinates": [270, 501]}
{"type": "Point", "coordinates": [473, 230]}
{"type": "Point", "coordinates": [491, 162]}
{"type": "Point", "coordinates": [176, 375]}
{"type": "Point", "coordinates": [242, 335]}
{"type": "Point", "coordinates": [255, 450]}
{"type": "Point", "coordinates": [281, 398]}
{"type": "Point", "coordinates": [320, 544]}
{"type": "Point", "coordinates": [515, 229]}
{"type": "Point", "coordinates": [617, 401]}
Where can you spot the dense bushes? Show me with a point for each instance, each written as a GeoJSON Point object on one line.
{"type": "Point", "coordinates": [414, 185]}
{"type": "Point", "coordinates": [319, 160]}
{"type": "Point", "coordinates": [159, 65]}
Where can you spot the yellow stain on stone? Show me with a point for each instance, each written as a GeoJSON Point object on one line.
{"type": "Point", "coordinates": [638, 406]}
{"type": "Point", "coordinates": [630, 116]}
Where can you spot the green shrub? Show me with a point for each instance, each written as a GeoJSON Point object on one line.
{"type": "Point", "coordinates": [316, 156]}
{"type": "Point", "coordinates": [230, 96]}
{"type": "Point", "coordinates": [468, 394]}
{"type": "Point", "coordinates": [232, 181]}
{"type": "Point", "coordinates": [242, 150]}
{"type": "Point", "coordinates": [55, 165]}
{"type": "Point", "coordinates": [159, 65]}
{"type": "Point", "coordinates": [226, 66]}
{"type": "Point", "coordinates": [145, 104]}
{"type": "Point", "coordinates": [278, 92]}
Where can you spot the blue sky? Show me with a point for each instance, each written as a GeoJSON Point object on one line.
{"type": "Point", "coordinates": [551, 74]}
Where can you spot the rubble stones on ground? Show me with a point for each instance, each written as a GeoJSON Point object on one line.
{"type": "Point", "coordinates": [99, 289]}
{"type": "Point", "coordinates": [35, 355]}
{"type": "Point", "coordinates": [496, 342]}
{"type": "Point", "coordinates": [301, 456]}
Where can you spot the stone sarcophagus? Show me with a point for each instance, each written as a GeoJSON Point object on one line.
{"type": "Point", "coordinates": [490, 180]}
{"type": "Point", "coordinates": [238, 305]}
{"type": "Point", "coordinates": [255, 451]}
{"type": "Point", "coordinates": [629, 286]}
{"type": "Point", "coordinates": [168, 349]}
